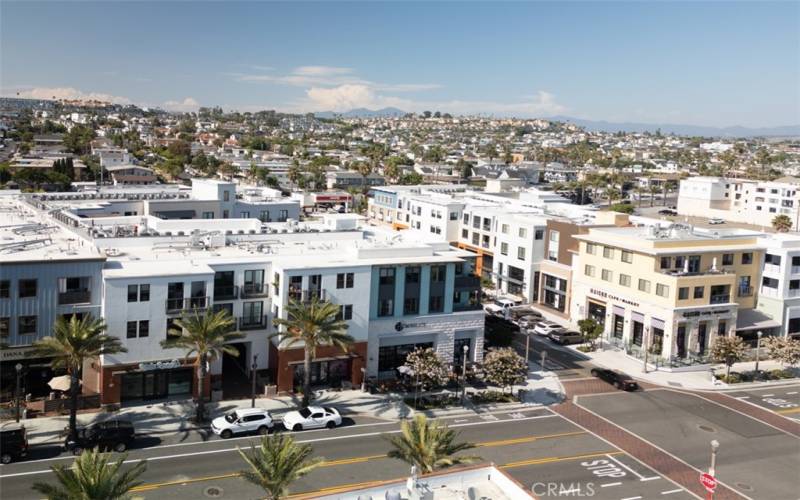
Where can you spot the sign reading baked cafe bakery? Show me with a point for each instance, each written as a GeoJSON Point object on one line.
{"type": "Point", "coordinates": [609, 296]}
{"type": "Point", "coordinates": [159, 365]}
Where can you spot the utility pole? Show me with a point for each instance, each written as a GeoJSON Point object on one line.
{"type": "Point", "coordinates": [544, 359]}
{"type": "Point", "coordinates": [253, 377]}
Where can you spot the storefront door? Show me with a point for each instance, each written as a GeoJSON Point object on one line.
{"type": "Point", "coordinates": [680, 339]}
{"type": "Point", "coordinates": [701, 338]}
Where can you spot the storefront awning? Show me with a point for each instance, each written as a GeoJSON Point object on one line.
{"type": "Point", "coordinates": [753, 319]}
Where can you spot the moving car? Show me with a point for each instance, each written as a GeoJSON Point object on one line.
{"type": "Point", "coordinates": [313, 417]}
{"type": "Point", "coordinates": [529, 321]}
{"type": "Point", "coordinates": [566, 337]}
{"type": "Point", "coordinates": [114, 435]}
{"type": "Point", "coordinates": [13, 443]}
{"type": "Point", "coordinates": [545, 327]}
{"type": "Point", "coordinates": [667, 211]}
{"type": "Point", "coordinates": [242, 421]}
{"type": "Point", "coordinates": [716, 220]}
{"type": "Point", "coordinates": [500, 307]}
{"type": "Point", "coordinates": [615, 378]}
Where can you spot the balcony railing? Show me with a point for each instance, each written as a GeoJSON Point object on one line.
{"type": "Point", "coordinates": [745, 291]}
{"type": "Point", "coordinates": [225, 292]}
{"type": "Point", "coordinates": [720, 299]}
{"type": "Point", "coordinates": [307, 295]}
{"type": "Point", "coordinates": [794, 292]}
{"type": "Point", "coordinates": [252, 322]}
{"type": "Point", "coordinates": [74, 297]}
{"type": "Point", "coordinates": [251, 290]}
{"type": "Point", "coordinates": [174, 306]}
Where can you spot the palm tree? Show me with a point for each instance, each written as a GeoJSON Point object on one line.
{"type": "Point", "coordinates": [207, 337]}
{"type": "Point", "coordinates": [428, 445]}
{"type": "Point", "coordinates": [782, 223]}
{"type": "Point", "coordinates": [639, 192]}
{"type": "Point", "coordinates": [313, 324]}
{"type": "Point", "coordinates": [92, 477]}
{"type": "Point", "coordinates": [72, 343]}
{"type": "Point", "coordinates": [653, 191]}
{"type": "Point", "coordinates": [276, 463]}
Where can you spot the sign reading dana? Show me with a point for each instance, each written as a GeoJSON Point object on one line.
{"type": "Point", "coordinates": [160, 365]}
{"type": "Point", "coordinates": [400, 326]}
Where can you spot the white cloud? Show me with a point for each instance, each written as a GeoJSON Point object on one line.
{"type": "Point", "coordinates": [321, 70]}
{"type": "Point", "coordinates": [188, 104]}
{"type": "Point", "coordinates": [67, 93]}
{"type": "Point", "coordinates": [341, 98]}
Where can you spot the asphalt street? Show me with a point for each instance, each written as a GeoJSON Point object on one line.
{"type": "Point", "coordinates": [562, 361]}
{"type": "Point", "coordinates": [783, 400]}
{"type": "Point", "coordinates": [539, 449]}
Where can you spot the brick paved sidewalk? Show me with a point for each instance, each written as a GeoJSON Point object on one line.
{"type": "Point", "coordinates": [786, 425]}
{"type": "Point", "coordinates": [663, 463]}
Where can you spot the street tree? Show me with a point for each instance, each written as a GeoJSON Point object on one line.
{"type": "Point", "coordinates": [728, 350]}
{"type": "Point", "coordinates": [73, 342]}
{"type": "Point", "coordinates": [314, 323]}
{"type": "Point", "coordinates": [590, 330]}
{"type": "Point", "coordinates": [276, 463]}
{"type": "Point", "coordinates": [782, 223]}
{"type": "Point", "coordinates": [93, 476]}
{"type": "Point", "coordinates": [206, 337]}
{"type": "Point", "coordinates": [785, 350]}
{"type": "Point", "coordinates": [429, 445]}
{"type": "Point", "coordinates": [428, 367]}
{"type": "Point", "coordinates": [504, 367]}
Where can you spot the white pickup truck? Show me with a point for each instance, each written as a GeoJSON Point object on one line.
{"type": "Point", "coordinates": [500, 307]}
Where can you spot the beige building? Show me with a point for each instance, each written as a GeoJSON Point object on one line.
{"type": "Point", "coordinates": [669, 290]}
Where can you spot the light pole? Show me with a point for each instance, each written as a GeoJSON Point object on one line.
{"type": "Point", "coordinates": [18, 368]}
{"type": "Point", "coordinates": [712, 469]}
{"type": "Point", "coordinates": [527, 345]}
{"type": "Point", "coordinates": [363, 379]}
{"type": "Point", "coordinates": [644, 345]}
{"type": "Point", "coordinates": [464, 375]}
{"type": "Point", "coordinates": [253, 376]}
{"type": "Point", "coordinates": [544, 359]}
{"type": "Point", "coordinates": [758, 349]}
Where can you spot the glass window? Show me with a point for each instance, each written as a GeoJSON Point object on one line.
{"type": "Point", "coordinates": [504, 248]}
{"type": "Point", "coordinates": [5, 289]}
{"type": "Point", "coordinates": [504, 228]}
{"type": "Point", "coordinates": [412, 274]}
{"type": "Point", "coordinates": [624, 280]}
{"type": "Point", "coordinates": [411, 306]}
{"type": "Point", "coordinates": [747, 258]}
{"type": "Point", "coordinates": [539, 234]}
{"type": "Point", "coordinates": [591, 248]}
{"type": "Point", "coordinates": [144, 328]}
{"type": "Point", "coordinates": [5, 327]}
{"type": "Point", "coordinates": [698, 292]}
{"type": "Point", "coordinates": [386, 276]}
{"type": "Point", "coordinates": [435, 304]}
{"type": "Point", "coordinates": [607, 275]}
{"type": "Point", "coordinates": [521, 253]}
{"type": "Point", "coordinates": [662, 290]}
{"type": "Point", "coordinates": [438, 273]}
{"type": "Point", "coordinates": [144, 293]}
{"type": "Point", "coordinates": [523, 232]}
{"type": "Point", "coordinates": [727, 259]}
{"type": "Point", "coordinates": [608, 252]}
{"type": "Point", "coordinates": [27, 288]}
{"type": "Point", "coordinates": [666, 262]}
{"type": "Point", "coordinates": [26, 325]}
{"type": "Point", "coordinates": [683, 293]}
{"type": "Point", "coordinates": [644, 286]}
{"type": "Point", "coordinates": [627, 256]}
{"type": "Point", "coordinates": [131, 330]}
{"type": "Point", "coordinates": [588, 270]}
{"type": "Point", "coordinates": [133, 293]}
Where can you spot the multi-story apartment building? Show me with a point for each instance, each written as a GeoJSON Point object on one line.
{"type": "Point", "coordinates": [779, 288]}
{"type": "Point", "coordinates": [145, 272]}
{"type": "Point", "coordinates": [741, 200]}
{"type": "Point", "coordinates": [671, 290]}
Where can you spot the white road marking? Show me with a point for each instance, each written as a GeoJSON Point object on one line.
{"type": "Point", "coordinates": [226, 450]}
{"type": "Point", "coordinates": [626, 467]}
{"type": "Point", "coordinates": [632, 498]}
{"type": "Point", "coordinates": [743, 397]}
{"type": "Point", "coordinates": [790, 393]}
{"type": "Point", "coordinates": [652, 478]}
{"type": "Point", "coordinates": [670, 492]}
{"type": "Point", "coordinates": [609, 484]}
{"type": "Point", "coordinates": [766, 395]}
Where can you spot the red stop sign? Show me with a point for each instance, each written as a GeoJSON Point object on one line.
{"type": "Point", "coordinates": [709, 482]}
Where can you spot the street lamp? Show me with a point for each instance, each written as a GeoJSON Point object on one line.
{"type": "Point", "coordinates": [363, 379]}
{"type": "Point", "coordinates": [544, 358]}
{"type": "Point", "coordinates": [18, 368]}
{"type": "Point", "coordinates": [714, 448]}
{"type": "Point", "coordinates": [758, 348]}
{"type": "Point", "coordinates": [253, 376]}
{"type": "Point", "coordinates": [644, 345]}
{"type": "Point", "coordinates": [527, 345]}
{"type": "Point", "coordinates": [464, 375]}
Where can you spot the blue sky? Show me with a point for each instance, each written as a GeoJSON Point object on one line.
{"type": "Point", "coordinates": [719, 63]}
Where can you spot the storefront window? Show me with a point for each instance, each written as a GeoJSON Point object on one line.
{"type": "Point", "coordinates": [619, 325]}
{"type": "Point", "coordinates": [638, 333]}
{"type": "Point", "coordinates": [392, 357]}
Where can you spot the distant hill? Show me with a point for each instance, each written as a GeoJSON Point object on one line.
{"type": "Point", "coordinates": [362, 113]}
{"type": "Point", "coordinates": [692, 130]}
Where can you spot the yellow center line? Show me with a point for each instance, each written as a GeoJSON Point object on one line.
{"type": "Point", "coordinates": [356, 460]}
{"type": "Point", "coordinates": [786, 412]}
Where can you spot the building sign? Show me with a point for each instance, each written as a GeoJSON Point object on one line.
{"type": "Point", "coordinates": [693, 314]}
{"type": "Point", "coordinates": [16, 353]}
{"type": "Point", "coordinates": [160, 365]}
{"type": "Point", "coordinates": [609, 296]}
{"type": "Point", "coordinates": [400, 326]}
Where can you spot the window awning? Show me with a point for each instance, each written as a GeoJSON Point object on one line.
{"type": "Point", "coordinates": [753, 319]}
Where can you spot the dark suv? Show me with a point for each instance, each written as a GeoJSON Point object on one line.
{"type": "Point", "coordinates": [114, 435]}
{"type": "Point", "coordinates": [13, 443]}
{"type": "Point", "coordinates": [617, 379]}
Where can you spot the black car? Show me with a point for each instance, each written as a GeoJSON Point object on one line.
{"type": "Point", "coordinates": [114, 435]}
{"type": "Point", "coordinates": [617, 379]}
{"type": "Point", "coordinates": [667, 211]}
{"type": "Point", "coordinates": [566, 337]}
{"type": "Point", "coordinates": [13, 443]}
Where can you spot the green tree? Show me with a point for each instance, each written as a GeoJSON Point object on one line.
{"type": "Point", "coordinates": [207, 337]}
{"type": "Point", "coordinates": [79, 138]}
{"type": "Point", "coordinates": [785, 350]}
{"type": "Point", "coordinates": [625, 208]}
{"type": "Point", "coordinates": [428, 445]}
{"type": "Point", "coordinates": [504, 367]}
{"type": "Point", "coordinates": [428, 367]}
{"type": "Point", "coordinates": [590, 329]}
{"type": "Point", "coordinates": [72, 343]}
{"type": "Point", "coordinates": [93, 477]}
{"type": "Point", "coordinates": [782, 223]}
{"type": "Point", "coordinates": [276, 463]}
{"type": "Point", "coordinates": [314, 323]}
{"type": "Point", "coordinates": [728, 350]}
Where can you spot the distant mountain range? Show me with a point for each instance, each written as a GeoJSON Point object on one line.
{"type": "Point", "coordinates": [362, 113]}
{"type": "Point", "coordinates": [691, 130]}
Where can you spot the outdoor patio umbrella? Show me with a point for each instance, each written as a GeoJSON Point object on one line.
{"type": "Point", "coordinates": [60, 383]}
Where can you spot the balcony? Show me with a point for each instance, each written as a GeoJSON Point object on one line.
{"type": "Point", "coordinates": [745, 291]}
{"type": "Point", "coordinates": [225, 292]}
{"type": "Point", "coordinates": [307, 295]}
{"type": "Point", "coordinates": [794, 292]}
{"type": "Point", "coordinates": [177, 306]}
{"type": "Point", "coordinates": [74, 297]}
{"type": "Point", "coordinates": [253, 290]}
{"type": "Point", "coordinates": [252, 323]}
{"type": "Point", "coordinates": [720, 299]}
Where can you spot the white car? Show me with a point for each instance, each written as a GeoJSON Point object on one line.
{"type": "Point", "coordinates": [527, 322]}
{"type": "Point", "coordinates": [313, 417]}
{"type": "Point", "coordinates": [716, 221]}
{"type": "Point", "coordinates": [546, 327]}
{"type": "Point", "coordinates": [242, 421]}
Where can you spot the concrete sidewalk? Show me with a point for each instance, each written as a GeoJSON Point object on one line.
{"type": "Point", "coordinates": [541, 388]}
{"type": "Point", "coordinates": [616, 358]}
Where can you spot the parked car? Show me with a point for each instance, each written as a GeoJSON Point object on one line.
{"type": "Point", "coordinates": [242, 421]}
{"type": "Point", "coordinates": [566, 337]}
{"type": "Point", "coordinates": [529, 321]}
{"type": "Point", "coordinates": [115, 435]}
{"type": "Point", "coordinates": [500, 307]}
{"type": "Point", "coordinates": [545, 327]}
{"type": "Point", "coordinates": [313, 417]}
{"type": "Point", "coordinates": [716, 220]}
{"type": "Point", "coordinates": [667, 211]}
{"type": "Point", "coordinates": [615, 378]}
{"type": "Point", "coordinates": [13, 443]}
{"type": "Point", "coordinates": [518, 312]}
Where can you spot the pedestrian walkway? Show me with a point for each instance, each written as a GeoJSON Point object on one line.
{"type": "Point", "coordinates": [660, 461]}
